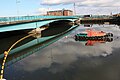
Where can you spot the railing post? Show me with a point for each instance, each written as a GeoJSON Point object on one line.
{"type": "Point", "coordinates": [9, 19]}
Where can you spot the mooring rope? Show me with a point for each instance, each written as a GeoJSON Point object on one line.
{"type": "Point", "coordinates": [7, 52]}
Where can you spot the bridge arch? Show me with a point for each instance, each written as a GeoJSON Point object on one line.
{"type": "Point", "coordinates": [24, 26]}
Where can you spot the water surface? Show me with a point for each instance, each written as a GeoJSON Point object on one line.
{"type": "Point", "coordinates": [68, 59]}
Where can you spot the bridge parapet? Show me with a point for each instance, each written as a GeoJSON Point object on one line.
{"type": "Point", "coordinates": [28, 18]}
{"type": "Point", "coordinates": [39, 17]}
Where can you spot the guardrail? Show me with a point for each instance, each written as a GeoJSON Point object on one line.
{"type": "Point", "coordinates": [24, 18]}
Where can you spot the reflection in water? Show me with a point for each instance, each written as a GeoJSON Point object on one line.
{"type": "Point", "coordinates": [91, 42]}
{"type": "Point", "coordinates": [88, 25]}
{"type": "Point", "coordinates": [67, 59]}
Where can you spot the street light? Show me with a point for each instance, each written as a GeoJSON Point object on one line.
{"type": "Point", "coordinates": [74, 9]}
{"type": "Point", "coordinates": [17, 2]}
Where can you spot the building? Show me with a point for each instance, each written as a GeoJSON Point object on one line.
{"type": "Point", "coordinates": [60, 13]}
{"type": "Point", "coordinates": [117, 14]}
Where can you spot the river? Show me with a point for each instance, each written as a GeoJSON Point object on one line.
{"type": "Point", "coordinates": [68, 59]}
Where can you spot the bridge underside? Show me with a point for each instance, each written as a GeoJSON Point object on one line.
{"type": "Point", "coordinates": [26, 26]}
{"type": "Point", "coordinates": [55, 28]}
{"type": "Point", "coordinates": [17, 29]}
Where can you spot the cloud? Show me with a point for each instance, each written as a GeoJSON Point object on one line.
{"type": "Point", "coordinates": [42, 10]}
{"type": "Point", "coordinates": [57, 2]}
{"type": "Point", "coordinates": [83, 7]}
{"type": "Point", "coordinates": [96, 3]}
{"type": "Point", "coordinates": [102, 3]}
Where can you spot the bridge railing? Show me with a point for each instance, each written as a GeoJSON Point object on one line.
{"type": "Point", "coordinates": [40, 17]}
{"type": "Point", "coordinates": [27, 18]}
{"type": "Point", "coordinates": [94, 16]}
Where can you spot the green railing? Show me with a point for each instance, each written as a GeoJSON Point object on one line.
{"type": "Point", "coordinates": [23, 18]}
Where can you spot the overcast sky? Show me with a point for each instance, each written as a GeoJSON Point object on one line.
{"type": "Point", "coordinates": [29, 7]}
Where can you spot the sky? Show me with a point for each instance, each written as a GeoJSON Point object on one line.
{"type": "Point", "coordinates": [36, 7]}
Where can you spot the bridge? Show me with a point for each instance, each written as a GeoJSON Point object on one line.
{"type": "Point", "coordinates": [35, 21]}
{"type": "Point", "coordinates": [8, 24]}
{"type": "Point", "coordinates": [29, 22]}
{"type": "Point", "coordinates": [11, 24]}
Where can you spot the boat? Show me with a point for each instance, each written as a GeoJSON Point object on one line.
{"type": "Point", "coordinates": [91, 42]}
{"type": "Point", "coordinates": [92, 34]}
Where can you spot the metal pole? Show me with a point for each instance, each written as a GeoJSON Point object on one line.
{"type": "Point", "coordinates": [74, 9]}
{"type": "Point", "coordinates": [17, 7]}
{"type": "Point", "coordinates": [17, 4]}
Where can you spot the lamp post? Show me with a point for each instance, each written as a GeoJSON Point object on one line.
{"type": "Point", "coordinates": [17, 2]}
{"type": "Point", "coordinates": [74, 9]}
{"type": "Point", "coordinates": [48, 8]}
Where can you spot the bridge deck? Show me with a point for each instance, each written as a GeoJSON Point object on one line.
{"type": "Point", "coordinates": [27, 18]}
{"type": "Point", "coordinates": [12, 21]}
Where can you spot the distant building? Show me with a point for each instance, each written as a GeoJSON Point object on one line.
{"type": "Point", "coordinates": [87, 16]}
{"type": "Point", "coordinates": [60, 13]}
{"type": "Point", "coordinates": [117, 14]}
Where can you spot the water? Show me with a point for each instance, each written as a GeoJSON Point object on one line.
{"type": "Point", "coordinates": [68, 59]}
